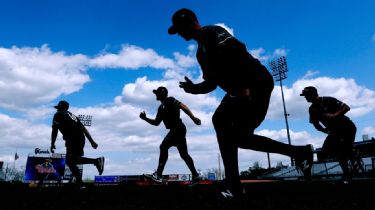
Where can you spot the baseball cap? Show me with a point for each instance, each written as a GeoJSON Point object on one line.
{"type": "Point", "coordinates": [179, 17]}
{"type": "Point", "coordinates": [310, 90]}
{"type": "Point", "coordinates": [62, 105]}
{"type": "Point", "coordinates": [160, 89]}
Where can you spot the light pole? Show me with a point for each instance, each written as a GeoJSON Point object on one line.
{"type": "Point", "coordinates": [279, 69]}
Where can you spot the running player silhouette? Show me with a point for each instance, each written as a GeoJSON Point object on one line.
{"type": "Point", "coordinates": [169, 113]}
{"type": "Point", "coordinates": [225, 62]}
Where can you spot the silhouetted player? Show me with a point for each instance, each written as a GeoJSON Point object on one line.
{"type": "Point", "coordinates": [226, 63]}
{"type": "Point", "coordinates": [169, 113]}
{"type": "Point", "coordinates": [74, 133]}
{"type": "Point", "coordinates": [340, 129]}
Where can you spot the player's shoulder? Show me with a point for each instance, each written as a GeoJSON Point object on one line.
{"type": "Point", "coordinates": [210, 32]}
{"type": "Point", "coordinates": [213, 28]}
{"type": "Point", "coordinates": [330, 100]}
{"type": "Point", "coordinates": [170, 99]}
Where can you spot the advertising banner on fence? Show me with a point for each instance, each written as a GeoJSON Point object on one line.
{"type": "Point", "coordinates": [50, 168]}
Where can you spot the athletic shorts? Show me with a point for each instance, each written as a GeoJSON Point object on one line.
{"type": "Point", "coordinates": [175, 137]}
{"type": "Point", "coordinates": [75, 147]}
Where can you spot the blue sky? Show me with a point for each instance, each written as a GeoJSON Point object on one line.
{"type": "Point", "coordinates": [105, 57]}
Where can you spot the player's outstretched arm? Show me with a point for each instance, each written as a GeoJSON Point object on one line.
{"type": "Point", "coordinates": [190, 114]}
{"type": "Point", "coordinates": [154, 122]}
{"type": "Point", "coordinates": [201, 88]}
{"type": "Point", "coordinates": [91, 140]}
{"type": "Point", "coordinates": [53, 138]}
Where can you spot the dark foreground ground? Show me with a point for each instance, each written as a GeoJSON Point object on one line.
{"type": "Point", "coordinates": [264, 195]}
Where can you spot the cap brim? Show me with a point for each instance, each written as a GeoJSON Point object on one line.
{"type": "Point", "coordinates": [155, 91]}
{"type": "Point", "coordinates": [302, 94]}
{"type": "Point", "coordinates": [56, 107]}
{"type": "Point", "coordinates": [172, 30]}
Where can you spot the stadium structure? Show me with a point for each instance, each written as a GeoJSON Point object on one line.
{"type": "Point", "coordinates": [329, 169]}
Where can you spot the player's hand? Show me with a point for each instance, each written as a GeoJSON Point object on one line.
{"type": "Point", "coordinates": [197, 121]}
{"type": "Point", "coordinates": [53, 147]}
{"type": "Point", "coordinates": [94, 145]}
{"type": "Point", "coordinates": [142, 115]}
{"type": "Point", "coordinates": [187, 85]}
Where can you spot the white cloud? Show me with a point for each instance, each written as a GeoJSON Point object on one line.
{"type": "Point", "coordinates": [359, 98]}
{"type": "Point", "coordinates": [33, 76]}
{"type": "Point", "coordinates": [132, 57]}
{"type": "Point", "coordinates": [21, 133]}
{"type": "Point", "coordinates": [140, 92]}
{"type": "Point", "coordinates": [297, 137]}
{"type": "Point", "coordinates": [248, 157]}
{"type": "Point", "coordinates": [261, 54]}
{"type": "Point", "coordinates": [257, 53]}
{"type": "Point", "coordinates": [184, 60]}
{"type": "Point", "coordinates": [279, 52]}
{"type": "Point", "coordinates": [370, 130]}
{"type": "Point", "coordinates": [310, 74]}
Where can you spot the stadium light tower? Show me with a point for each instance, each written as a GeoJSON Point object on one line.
{"type": "Point", "coordinates": [279, 69]}
{"type": "Point", "coordinates": [85, 119]}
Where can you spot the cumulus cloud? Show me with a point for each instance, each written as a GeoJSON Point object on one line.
{"type": "Point", "coordinates": [279, 52]}
{"type": "Point", "coordinates": [186, 61]}
{"type": "Point", "coordinates": [22, 136]}
{"type": "Point", "coordinates": [297, 137]}
{"type": "Point", "coordinates": [140, 92]}
{"type": "Point", "coordinates": [132, 57]}
{"type": "Point", "coordinates": [33, 76]}
{"type": "Point", "coordinates": [257, 53]}
{"type": "Point", "coordinates": [263, 56]}
{"type": "Point", "coordinates": [359, 98]}
{"type": "Point", "coordinates": [248, 157]}
{"type": "Point", "coordinates": [21, 133]}
{"type": "Point", "coordinates": [310, 74]}
{"type": "Point", "coordinates": [369, 130]}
